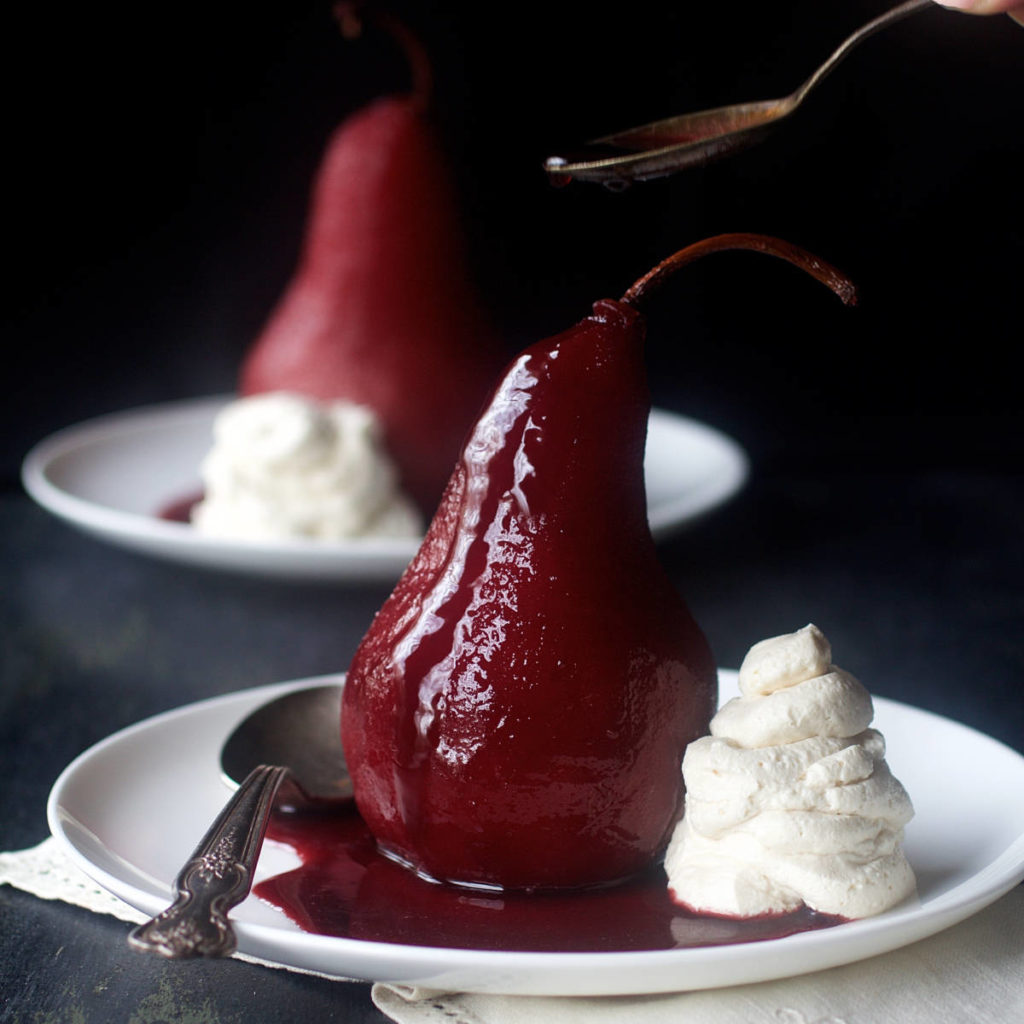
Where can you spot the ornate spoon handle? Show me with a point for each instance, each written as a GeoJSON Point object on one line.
{"type": "Point", "coordinates": [217, 877]}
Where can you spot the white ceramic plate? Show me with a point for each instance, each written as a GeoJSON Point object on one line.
{"type": "Point", "coordinates": [130, 810]}
{"type": "Point", "coordinates": [111, 475]}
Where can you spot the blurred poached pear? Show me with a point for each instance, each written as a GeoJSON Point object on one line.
{"type": "Point", "coordinates": [381, 310]}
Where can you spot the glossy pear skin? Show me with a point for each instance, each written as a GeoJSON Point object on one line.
{"type": "Point", "coordinates": [517, 713]}
{"type": "Point", "coordinates": [380, 310]}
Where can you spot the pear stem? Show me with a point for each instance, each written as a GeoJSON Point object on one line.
{"type": "Point", "coordinates": [352, 16]}
{"type": "Point", "coordinates": [806, 261]}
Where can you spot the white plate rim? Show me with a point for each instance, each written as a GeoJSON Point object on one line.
{"type": "Point", "coordinates": [363, 559]}
{"type": "Point", "coordinates": [561, 974]}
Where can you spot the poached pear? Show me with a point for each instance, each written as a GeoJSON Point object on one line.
{"type": "Point", "coordinates": [517, 712]}
{"type": "Point", "coordinates": [381, 310]}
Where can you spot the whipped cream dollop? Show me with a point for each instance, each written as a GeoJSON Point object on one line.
{"type": "Point", "coordinates": [790, 801]}
{"type": "Point", "coordinates": [285, 466]}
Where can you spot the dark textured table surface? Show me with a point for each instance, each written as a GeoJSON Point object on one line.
{"type": "Point", "coordinates": [914, 577]}
{"type": "Point", "coordinates": [159, 204]}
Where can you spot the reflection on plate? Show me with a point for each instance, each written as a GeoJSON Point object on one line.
{"type": "Point", "coordinates": [111, 475]}
{"type": "Point", "coordinates": [130, 810]}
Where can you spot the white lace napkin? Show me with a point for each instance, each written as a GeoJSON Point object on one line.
{"type": "Point", "coordinates": [46, 872]}
{"type": "Point", "coordinates": [972, 973]}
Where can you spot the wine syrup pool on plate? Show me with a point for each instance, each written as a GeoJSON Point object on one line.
{"type": "Point", "coordinates": [346, 888]}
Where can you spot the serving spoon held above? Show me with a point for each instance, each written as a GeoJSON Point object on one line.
{"type": "Point", "coordinates": [664, 147]}
{"type": "Point", "coordinates": [286, 752]}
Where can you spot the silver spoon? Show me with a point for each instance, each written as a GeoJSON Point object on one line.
{"type": "Point", "coordinates": [286, 752]}
{"type": "Point", "coordinates": [663, 147]}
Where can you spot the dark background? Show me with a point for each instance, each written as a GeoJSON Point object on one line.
{"type": "Point", "coordinates": [159, 160]}
{"type": "Point", "coordinates": [163, 155]}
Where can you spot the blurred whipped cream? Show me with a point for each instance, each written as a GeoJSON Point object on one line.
{"type": "Point", "coordinates": [284, 466]}
{"type": "Point", "coordinates": [789, 801]}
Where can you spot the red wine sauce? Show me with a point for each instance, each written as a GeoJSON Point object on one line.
{"type": "Point", "coordinates": [180, 510]}
{"type": "Point", "coordinates": [345, 887]}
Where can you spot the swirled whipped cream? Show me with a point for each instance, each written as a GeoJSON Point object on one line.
{"type": "Point", "coordinates": [285, 466]}
{"type": "Point", "coordinates": [790, 801]}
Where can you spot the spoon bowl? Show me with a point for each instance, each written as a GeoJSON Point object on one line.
{"type": "Point", "coordinates": [286, 753]}
{"type": "Point", "coordinates": [300, 731]}
{"type": "Point", "coordinates": [661, 148]}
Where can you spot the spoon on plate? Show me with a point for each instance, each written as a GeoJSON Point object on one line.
{"type": "Point", "coordinates": [286, 753]}
{"type": "Point", "coordinates": [663, 147]}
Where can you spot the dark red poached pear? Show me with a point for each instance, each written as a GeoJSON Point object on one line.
{"type": "Point", "coordinates": [517, 713]}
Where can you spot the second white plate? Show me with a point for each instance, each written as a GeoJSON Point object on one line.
{"type": "Point", "coordinates": [110, 477]}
